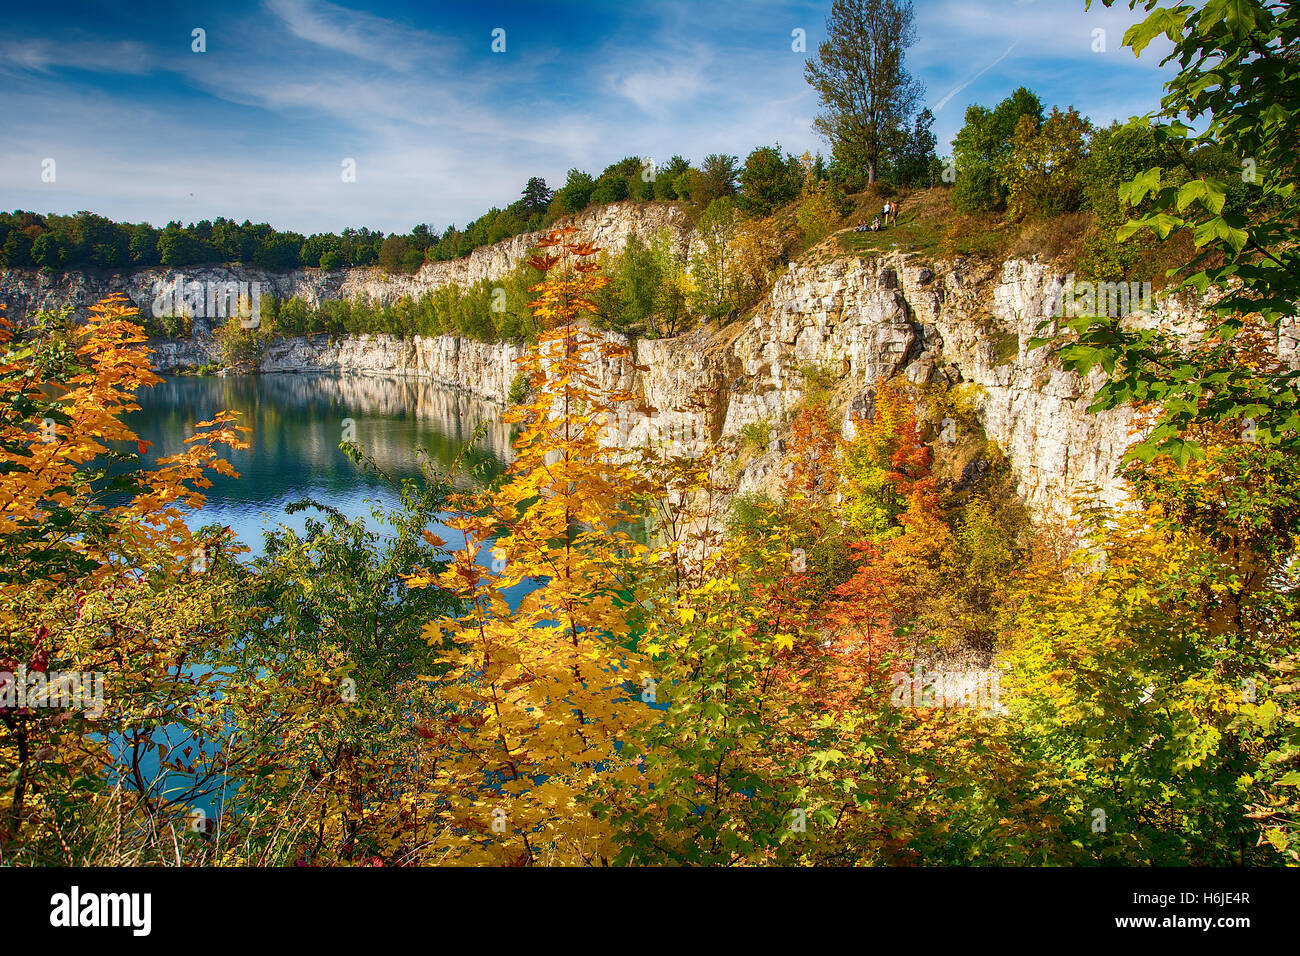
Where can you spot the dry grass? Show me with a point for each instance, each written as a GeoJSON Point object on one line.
{"type": "Point", "coordinates": [928, 225]}
{"type": "Point", "coordinates": [115, 829]}
{"type": "Point", "coordinates": [1057, 239]}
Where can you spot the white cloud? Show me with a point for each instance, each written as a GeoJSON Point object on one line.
{"type": "Point", "coordinates": [656, 91]}
{"type": "Point", "coordinates": [440, 135]}
{"type": "Point", "coordinates": [961, 86]}
{"type": "Point", "coordinates": [44, 56]}
{"type": "Point", "coordinates": [361, 35]}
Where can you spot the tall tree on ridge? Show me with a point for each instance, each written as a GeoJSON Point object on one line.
{"type": "Point", "coordinates": [536, 195]}
{"type": "Point", "coordinates": [866, 93]}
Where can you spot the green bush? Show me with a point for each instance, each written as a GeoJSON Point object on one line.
{"type": "Point", "coordinates": [486, 311]}
{"type": "Point", "coordinates": [756, 436]}
{"type": "Point", "coordinates": [237, 343]}
{"type": "Point", "coordinates": [520, 389]}
{"type": "Point", "coordinates": [818, 383]}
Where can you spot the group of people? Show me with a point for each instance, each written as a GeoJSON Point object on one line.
{"type": "Point", "coordinates": [890, 215]}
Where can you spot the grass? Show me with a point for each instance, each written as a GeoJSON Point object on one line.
{"type": "Point", "coordinates": [919, 229]}
{"type": "Point", "coordinates": [910, 235]}
{"type": "Point", "coordinates": [930, 226]}
{"type": "Point", "coordinates": [116, 828]}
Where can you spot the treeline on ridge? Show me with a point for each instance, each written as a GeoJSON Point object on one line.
{"type": "Point", "coordinates": [767, 179]}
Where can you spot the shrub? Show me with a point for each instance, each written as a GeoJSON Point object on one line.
{"type": "Point", "coordinates": [238, 344]}
{"type": "Point", "coordinates": [757, 436]}
{"type": "Point", "coordinates": [520, 389]}
{"type": "Point", "coordinates": [1042, 170]}
{"type": "Point", "coordinates": [818, 383]}
{"type": "Point", "coordinates": [820, 210]}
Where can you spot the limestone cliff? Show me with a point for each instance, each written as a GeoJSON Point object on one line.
{"type": "Point", "coordinates": [864, 320]}
{"type": "Point", "coordinates": [24, 291]}
{"type": "Point", "coordinates": [859, 320]}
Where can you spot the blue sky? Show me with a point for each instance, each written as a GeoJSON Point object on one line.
{"type": "Point", "coordinates": [441, 128]}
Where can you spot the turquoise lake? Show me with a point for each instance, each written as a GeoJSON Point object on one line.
{"type": "Point", "coordinates": [297, 422]}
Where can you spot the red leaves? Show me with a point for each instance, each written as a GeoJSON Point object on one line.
{"type": "Point", "coordinates": [40, 651]}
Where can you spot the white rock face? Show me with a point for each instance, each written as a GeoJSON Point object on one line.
{"type": "Point", "coordinates": [1035, 411]}
{"type": "Point", "coordinates": [865, 320]}
{"type": "Point", "coordinates": [25, 291]}
{"type": "Point", "coordinates": [872, 320]}
{"type": "Point", "coordinates": [480, 368]}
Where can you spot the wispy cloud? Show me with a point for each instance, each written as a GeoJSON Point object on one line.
{"type": "Point", "coordinates": [361, 35]}
{"type": "Point", "coordinates": [957, 89]}
{"type": "Point", "coordinates": [44, 56]}
{"type": "Point", "coordinates": [658, 90]}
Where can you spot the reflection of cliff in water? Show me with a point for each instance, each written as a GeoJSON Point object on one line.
{"type": "Point", "coordinates": [297, 422]}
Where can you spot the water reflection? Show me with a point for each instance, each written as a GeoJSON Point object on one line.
{"type": "Point", "coordinates": [297, 422]}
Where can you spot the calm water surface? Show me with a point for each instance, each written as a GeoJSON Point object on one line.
{"type": "Point", "coordinates": [297, 422]}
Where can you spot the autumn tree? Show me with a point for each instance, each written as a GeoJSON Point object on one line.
{"type": "Point", "coordinates": [717, 781]}
{"type": "Point", "coordinates": [539, 694]}
{"type": "Point", "coordinates": [982, 145]}
{"type": "Point", "coordinates": [106, 585]}
{"type": "Point", "coordinates": [821, 205]}
{"type": "Point", "coordinates": [866, 92]}
{"type": "Point", "coordinates": [1042, 170]}
{"type": "Point", "coordinates": [776, 740]}
{"type": "Point", "coordinates": [1132, 696]}
{"type": "Point", "coordinates": [758, 254]}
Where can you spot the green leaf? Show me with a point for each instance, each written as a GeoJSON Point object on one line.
{"type": "Point", "coordinates": [1161, 21]}
{"type": "Point", "coordinates": [1239, 15]}
{"type": "Point", "coordinates": [1141, 185]}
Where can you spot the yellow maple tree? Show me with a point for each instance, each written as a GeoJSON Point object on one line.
{"type": "Point", "coordinates": [541, 693]}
